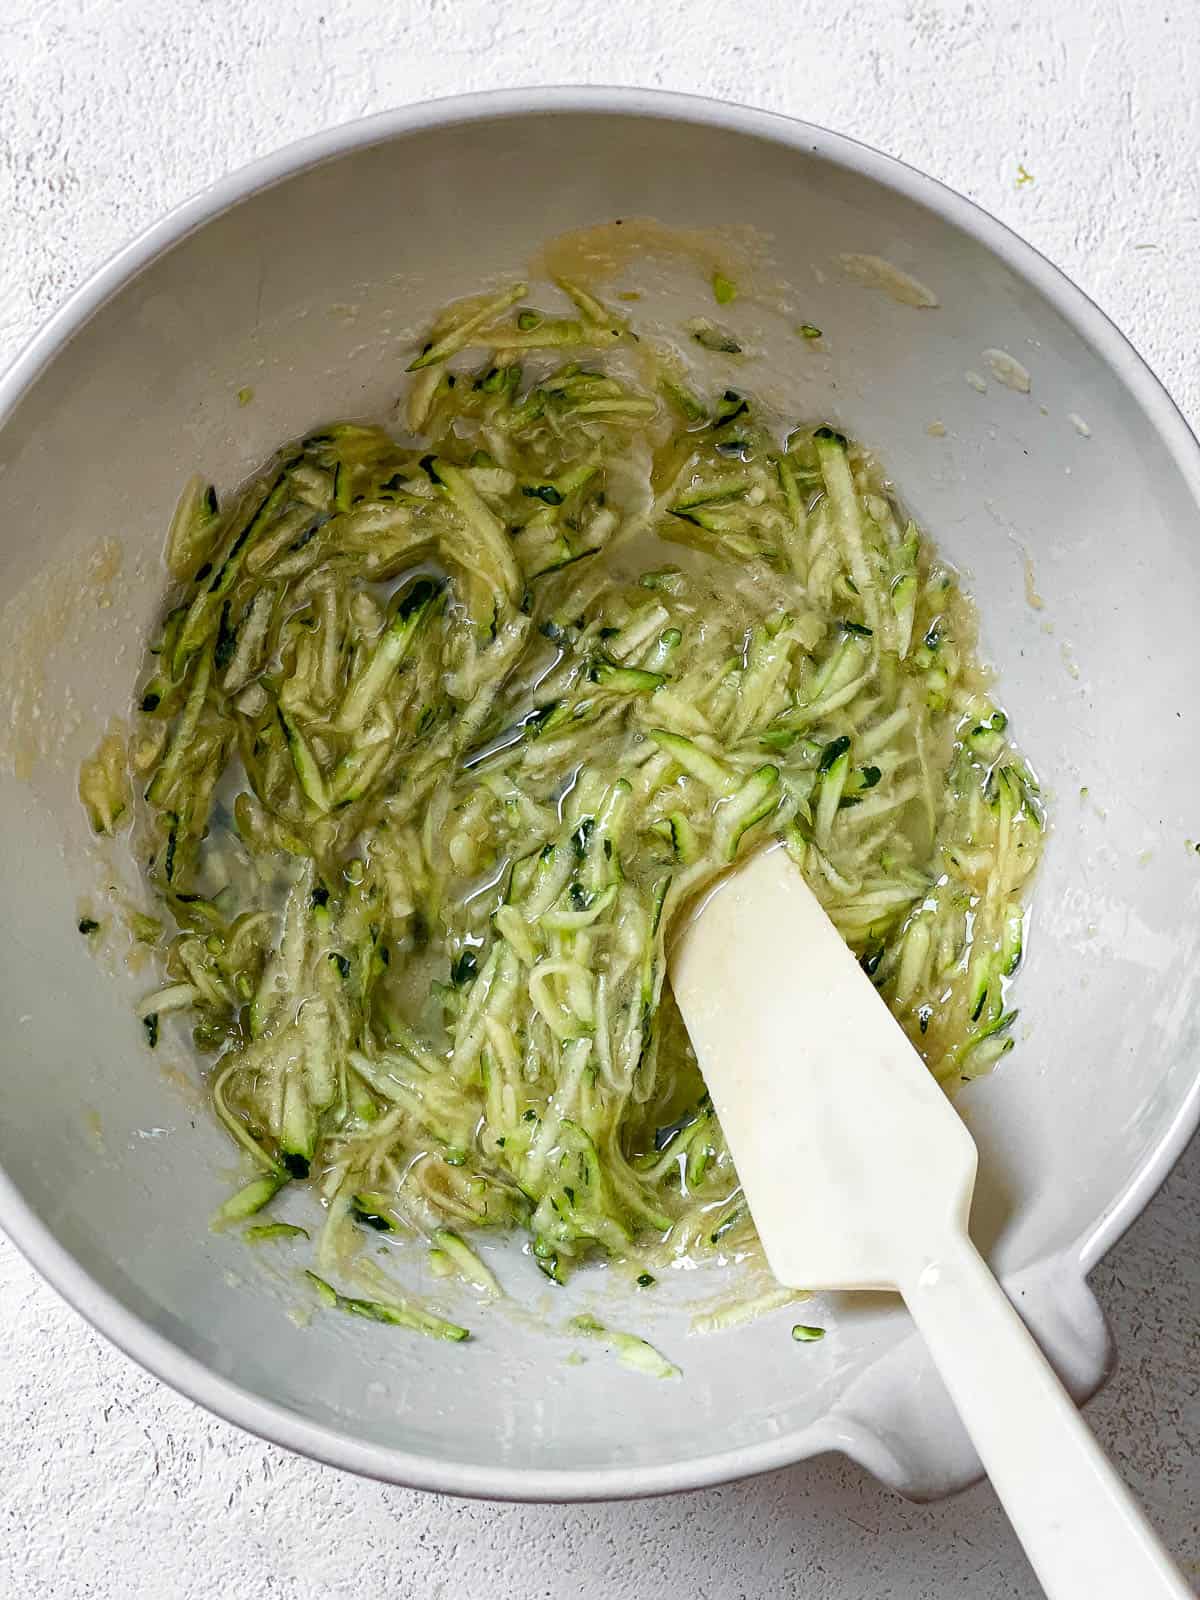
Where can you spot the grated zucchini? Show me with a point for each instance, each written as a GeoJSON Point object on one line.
{"type": "Point", "coordinates": [435, 742]}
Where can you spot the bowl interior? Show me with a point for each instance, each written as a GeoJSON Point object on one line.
{"type": "Point", "coordinates": [1069, 514]}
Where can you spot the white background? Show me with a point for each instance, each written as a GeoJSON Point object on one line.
{"type": "Point", "coordinates": [111, 111]}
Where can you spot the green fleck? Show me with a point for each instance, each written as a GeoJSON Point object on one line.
{"type": "Point", "coordinates": [543, 491]}
{"type": "Point", "coordinates": [719, 340]}
{"type": "Point", "coordinates": [252, 1197]}
{"type": "Point", "coordinates": [683, 400]}
{"type": "Point", "coordinates": [833, 751]}
{"type": "Point", "coordinates": [274, 1230]}
{"type": "Point", "coordinates": [669, 579]}
{"type": "Point", "coordinates": [629, 1350]}
{"type": "Point", "coordinates": [803, 1334]}
{"type": "Point", "coordinates": [398, 1316]}
{"type": "Point", "coordinates": [465, 968]}
{"type": "Point", "coordinates": [371, 1209]}
{"type": "Point", "coordinates": [244, 396]}
{"type": "Point", "coordinates": [809, 330]}
{"type": "Point", "coordinates": [464, 1260]}
{"type": "Point", "coordinates": [325, 1291]}
{"type": "Point", "coordinates": [726, 1223]}
{"type": "Point", "coordinates": [724, 289]}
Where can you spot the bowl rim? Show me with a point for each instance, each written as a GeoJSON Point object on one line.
{"type": "Point", "coordinates": [123, 1327]}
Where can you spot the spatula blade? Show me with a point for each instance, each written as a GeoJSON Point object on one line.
{"type": "Point", "coordinates": [852, 1160]}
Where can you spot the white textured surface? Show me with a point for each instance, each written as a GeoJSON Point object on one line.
{"type": "Point", "coordinates": [110, 112]}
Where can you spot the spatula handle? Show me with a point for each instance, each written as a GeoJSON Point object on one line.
{"type": "Point", "coordinates": [1081, 1529]}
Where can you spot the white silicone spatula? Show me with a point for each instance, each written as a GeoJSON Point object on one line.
{"type": "Point", "coordinates": [858, 1173]}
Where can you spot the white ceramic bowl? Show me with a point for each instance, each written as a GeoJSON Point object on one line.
{"type": "Point", "coordinates": [304, 276]}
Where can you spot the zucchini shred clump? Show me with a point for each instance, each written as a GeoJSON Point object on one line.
{"type": "Point", "coordinates": [443, 728]}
